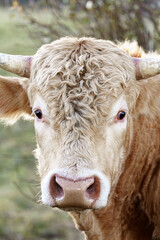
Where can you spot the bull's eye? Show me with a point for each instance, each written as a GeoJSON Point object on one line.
{"type": "Point", "coordinates": [38, 114]}
{"type": "Point", "coordinates": [121, 115]}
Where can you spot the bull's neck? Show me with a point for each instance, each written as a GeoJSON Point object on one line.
{"type": "Point", "coordinates": [125, 204]}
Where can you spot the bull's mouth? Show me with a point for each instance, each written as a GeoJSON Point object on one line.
{"type": "Point", "coordinates": [73, 209]}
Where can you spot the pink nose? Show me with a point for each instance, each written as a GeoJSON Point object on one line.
{"type": "Point", "coordinates": [81, 193]}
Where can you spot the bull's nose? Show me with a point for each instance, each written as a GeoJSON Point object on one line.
{"type": "Point", "coordinates": [81, 193]}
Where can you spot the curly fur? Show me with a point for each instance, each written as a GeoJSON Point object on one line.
{"type": "Point", "coordinates": [79, 82]}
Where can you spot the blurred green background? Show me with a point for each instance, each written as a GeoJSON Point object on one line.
{"type": "Point", "coordinates": [24, 26]}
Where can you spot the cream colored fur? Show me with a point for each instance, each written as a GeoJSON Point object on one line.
{"type": "Point", "coordinates": [80, 85]}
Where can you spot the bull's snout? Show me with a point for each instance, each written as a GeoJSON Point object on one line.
{"type": "Point", "coordinates": [80, 193]}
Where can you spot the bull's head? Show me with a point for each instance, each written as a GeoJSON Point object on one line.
{"type": "Point", "coordinates": [82, 93]}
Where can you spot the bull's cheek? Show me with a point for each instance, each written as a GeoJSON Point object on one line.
{"type": "Point", "coordinates": [47, 150]}
{"type": "Point", "coordinates": [114, 152]}
{"type": "Point", "coordinates": [46, 160]}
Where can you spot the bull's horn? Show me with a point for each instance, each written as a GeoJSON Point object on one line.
{"type": "Point", "coordinates": [17, 64]}
{"type": "Point", "coordinates": [146, 67]}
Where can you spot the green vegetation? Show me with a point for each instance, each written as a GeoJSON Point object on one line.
{"type": "Point", "coordinates": [114, 20]}
{"type": "Point", "coordinates": [21, 217]}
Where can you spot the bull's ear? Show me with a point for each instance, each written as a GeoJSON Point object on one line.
{"type": "Point", "coordinates": [13, 99]}
{"type": "Point", "coordinates": [148, 101]}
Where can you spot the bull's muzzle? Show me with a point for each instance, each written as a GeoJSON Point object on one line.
{"type": "Point", "coordinates": [87, 189]}
{"type": "Point", "coordinates": [80, 193]}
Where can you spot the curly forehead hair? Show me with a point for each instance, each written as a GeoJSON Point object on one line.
{"type": "Point", "coordinates": [79, 78]}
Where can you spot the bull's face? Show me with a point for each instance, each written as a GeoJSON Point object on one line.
{"type": "Point", "coordinates": [78, 166]}
{"type": "Point", "coordinates": [81, 113]}
{"type": "Point", "coordinates": [83, 94]}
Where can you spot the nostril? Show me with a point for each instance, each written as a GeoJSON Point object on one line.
{"type": "Point", "coordinates": [93, 191]}
{"type": "Point", "coordinates": [56, 190]}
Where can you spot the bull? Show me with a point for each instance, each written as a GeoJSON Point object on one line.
{"type": "Point", "coordinates": [97, 122]}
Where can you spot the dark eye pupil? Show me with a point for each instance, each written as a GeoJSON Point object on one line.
{"type": "Point", "coordinates": [38, 114]}
{"type": "Point", "coordinates": [121, 115]}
